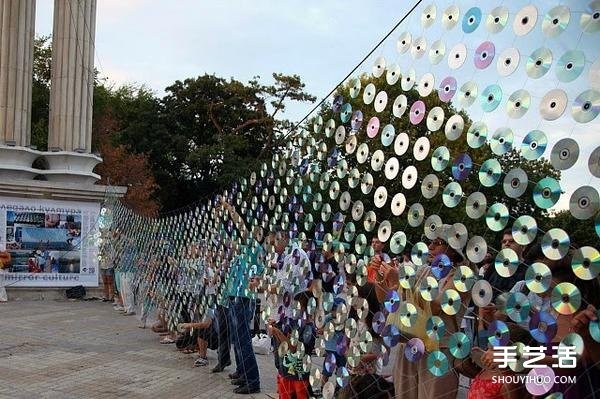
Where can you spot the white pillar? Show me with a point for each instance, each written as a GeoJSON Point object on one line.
{"type": "Point", "coordinates": [17, 27]}
{"type": "Point", "coordinates": [72, 80]}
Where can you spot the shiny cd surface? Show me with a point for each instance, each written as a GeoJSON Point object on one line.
{"type": "Point", "coordinates": [590, 19]}
{"type": "Point", "coordinates": [398, 242]}
{"type": "Point", "coordinates": [384, 231]}
{"type": "Point", "coordinates": [417, 112]}
{"type": "Point", "coordinates": [426, 85]}
{"type": "Point", "coordinates": [524, 230]}
{"type": "Point", "coordinates": [432, 226]}
{"type": "Point", "coordinates": [508, 61]}
{"type": "Point", "coordinates": [538, 277]}
{"type": "Point", "coordinates": [452, 194]}
{"type": "Point", "coordinates": [421, 148]}
{"type": "Point", "coordinates": [398, 204]}
{"type": "Point", "coordinates": [586, 106]}
{"type": "Point", "coordinates": [539, 63]}
{"type": "Point", "coordinates": [415, 214]}
{"type": "Point", "coordinates": [490, 98]}
{"type": "Point", "coordinates": [477, 134]}
{"type": "Point", "coordinates": [437, 363]}
{"type": "Point", "coordinates": [454, 127]}
{"type": "Point", "coordinates": [457, 56]}
{"type": "Point", "coordinates": [370, 221]}
{"type": "Point", "coordinates": [440, 158]}
{"type": "Point", "coordinates": [481, 293]}
{"type": "Point", "coordinates": [378, 322]}
{"type": "Point", "coordinates": [555, 244]}
{"type": "Point", "coordinates": [346, 113]}
{"type": "Point", "coordinates": [525, 20]}
{"type": "Point", "coordinates": [462, 166]}
{"type": "Point", "coordinates": [435, 119]}
{"type": "Point", "coordinates": [507, 262]}
{"type": "Point", "coordinates": [498, 333]}
{"type": "Point", "coordinates": [378, 67]}
{"type": "Point", "coordinates": [586, 263]}
{"type": "Point", "coordinates": [357, 120]}
{"type": "Point", "coordinates": [450, 302]}
{"type": "Point", "coordinates": [594, 327]}
{"type": "Point", "coordinates": [441, 266]}
{"type": "Point", "coordinates": [387, 135]}
{"type": "Point", "coordinates": [564, 154]}
{"type": "Point", "coordinates": [437, 52]}
{"type": "Point", "coordinates": [546, 193]}
{"type": "Point", "coordinates": [533, 145]}
{"type": "Point", "coordinates": [471, 20]}
{"type": "Point", "coordinates": [553, 104]}
{"type": "Point", "coordinates": [377, 160]}
{"type": "Point", "coordinates": [566, 298]}
{"type": "Point", "coordinates": [459, 345]}
{"type": "Point", "coordinates": [497, 19]}
{"type": "Point", "coordinates": [543, 327]}
{"type": "Point", "coordinates": [401, 143]}
{"type": "Point", "coordinates": [430, 186]}
{"type": "Point", "coordinates": [414, 350]}
{"type": "Point", "coordinates": [447, 88]}
{"type": "Point", "coordinates": [467, 94]}
{"type": "Point", "coordinates": [435, 328]}
{"type": "Point", "coordinates": [408, 314]}
{"type": "Point", "coordinates": [408, 79]}
{"type": "Point", "coordinates": [450, 17]}
{"type": "Point", "coordinates": [399, 106]}
{"type": "Point", "coordinates": [484, 55]}
{"type": "Point", "coordinates": [502, 141]}
{"type": "Point", "coordinates": [476, 249]}
{"type": "Point", "coordinates": [409, 177]}
{"type": "Point", "coordinates": [392, 74]}
{"type": "Point", "coordinates": [380, 101]}
{"type": "Point", "coordinates": [419, 46]}
{"type": "Point", "coordinates": [353, 178]}
{"type": "Point", "coordinates": [515, 183]}
{"type": "Point", "coordinates": [594, 162]}
{"type": "Point", "coordinates": [355, 86]}
{"type": "Point", "coordinates": [362, 153]}
{"type": "Point", "coordinates": [392, 167]}
{"type": "Point", "coordinates": [373, 127]}
{"type": "Point", "coordinates": [570, 65]}
{"type": "Point", "coordinates": [406, 276]}
{"type": "Point", "coordinates": [380, 196]}
{"type": "Point", "coordinates": [518, 307]}
{"type": "Point", "coordinates": [573, 340]}
{"type": "Point", "coordinates": [556, 21]}
{"type": "Point", "coordinates": [428, 16]}
{"type": "Point", "coordinates": [391, 335]}
{"type": "Point", "coordinates": [463, 279]}
{"type": "Point", "coordinates": [369, 93]}
{"type": "Point", "coordinates": [429, 289]}
{"type": "Point", "coordinates": [404, 42]}
{"type": "Point", "coordinates": [419, 253]}
{"type": "Point", "coordinates": [518, 104]}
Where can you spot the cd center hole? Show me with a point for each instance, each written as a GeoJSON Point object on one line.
{"type": "Point", "coordinates": [525, 20]}
{"type": "Point", "coordinates": [538, 62]}
{"type": "Point", "coordinates": [555, 243]}
{"type": "Point", "coordinates": [496, 20]}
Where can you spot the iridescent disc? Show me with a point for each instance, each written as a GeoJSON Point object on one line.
{"type": "Point", "coordinates": [358, 210]}
{"type": "Point", "coordinates": [435, 119]}
{"type": "Point", "coordinates": [555, 244]}
{"type": "Point", "coordinates": [430, 186]}
{"type": "Point", "coordinates": [539, 63]}
{"type": "Point", "coordinates": [346, 113]}
{"type": "Point", "coordinates": [398, 242]}
{"type": "Point", "coordinates": [419, 253]}
{"type": "Point", "coordinates": [408, 314]}
{"type": "Point", "coordinates": [584, 202]}
{"type": "Point", "coordinates": [414, 350]}
{"type": "Point", "coordinates": [416, 214]}
{"type": "Point", "coordinates": [377, 160]}
{"type": "Point", "coordinates": [387, 135]}
{"type": "Point", "coordinates": [432, 226]}
{"type": "Point", "coordinates": [457, 56]}
{"type": "Point", "coordinates": [454, 127]}
{"type": "Point", "coordinates": [392, 302]}
{"type": "Point", "coordinates": [353, 178]}
{"type": "Point", "coordinates": [370, 221]}
{"type": "Point", "coordinates": [357, 120]}
{"type": "Point", "coordinates": [498, 333]}
{"type": "Point", "coordinates": [435, 328]}
{"type": "Point", "coordinates": [497, 19]}
{"type": "Point", "coordinates": [590, 19]}
{"type": "Point", "coordinates": [484, 55]}
{"type": "Point", "coordinates": [441, 266]}
{"type": "Point", "coordinates": [566, 298]}
{"type": "Point", "coordinates": [330, 127]}
{"type": "Point", "coordinates": [418, 48]}
{"type": "Point", "coordinates": [524, 230]}
{"type": "Point", "coordinates": [515, 183]}
{"type": "Point", "coordinates": [586, 106]}
{"type": "Point", "coordinates": [564, 154]}
{"type": "Point", "coordinates": [490, 172]}
{"type": "Point", "coordinates": [533, 145]}
{"type": "Point", "coordinates": [502, 140]}
{"type": "Point", "coordinates": [507, 262]}
{"type": "Point", "coordinates": [594, 327]}
{"type": "Point", "coordinates": [428, 16]}
{"type": "Point", "coordinates": [490, 98]}
{"type": "Point", "coordinates": [450, 302]}
{"type": "Point", "coordinates": [318, 124]}
{"type": "Point", "coordinates": [355, 86]}
{"type": "Point", "coordinates": [450, 17]}
{"type": "Point", "coordinates": [481, 293]}
{"type": "Point", "coordinates": [366, 183]}
{"type": "Point", "coordinates": [508, 61]}
{"type": "Point", "coordinates": [518, 104]}
{"type": "Point", "coordinates": [586, 263]}
{"type": "Point", "coordinates": [378, 67]}
{"type": "Point", "coordinates": [463, 279]}
{"type": "Point", "coordinates": [538, 278]}
{"type": "Point", "coordinates": [429, 289]}
{"type": "Point", "coordinates": [447, 88]}
{"type": "Point", "coordinates": [440, 158]}
{"type": "Point", "coordinates": [459, 345]}
{"type": "Point", "coordinates": [421, 148]}
{"type": "Point", "coordinates": [570, 65]}
{"type": "Point", "coordinates": [575, 341]}
{"type": "Point", "coordinates": [426, 85]}
{"type": "Point", "coordinates": [471, 20]}
{"type": "Point", "coordinates": [437, 52]}
{"type": "Point", "coordinates": [518, 307]}
{"type": "Point", "coordinates": [403, 43]}
{"type": "Point", "coordinates": [467, 94]}
{"type": "Point", "coordinates": [476, 249]}
{"type": "Point", "coordinates": [496, 217]}
{"type": "Point", "coordinates": [462, 166]}
{"type": "Point", "coordinates": [546, 193]}
{"type": "Point", "coordinates": [369, 93]}
{"type": "Point", "coordinates": [553, 104]}
{"type": "Point", "coordinates": [406, 276]}
{"type": "Point", "coordinates": [408, 79]}
{"type": "Point", "coordinates": [594, 162]}
{"type": "Point", "coordinates": [380, 102]}
{"type": "Point", "coordinates": [384, 231]}
{"type": "Point", "coordinates": [417, 112]}
{"type": "Point", "coordinates": [392, 74]}
{"type": "Point", "coordinates": [400, 105]}
{"type": "Point", "coordinates": [452, 194]}
{"type": "Point", "coordinates": [556, 21]}
{"type": "Point", "coordinates": [336, 106]}
{"type": "Point", "coordinates": [525, 20]}
{"type": "Point", "coordinates": [398, 204]}
{"type": "Point", "coordinates": [543, 327]}
{"type": "Point", "coordinates": [477, 134]}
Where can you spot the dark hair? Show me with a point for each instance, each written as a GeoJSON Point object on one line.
{"type": "Point", "coordinates": [369, 386]}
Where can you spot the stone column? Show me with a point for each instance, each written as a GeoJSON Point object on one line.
{"type": "Point", "coordinates": [17, 27]}
{"type": "Point", "coordinates": [72, 88]}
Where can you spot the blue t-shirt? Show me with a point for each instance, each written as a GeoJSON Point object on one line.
{"type": "Point", "coordinates": [249, 263]}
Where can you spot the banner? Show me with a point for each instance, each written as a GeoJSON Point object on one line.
{"type": "Point", "coordinates": [48, 243]}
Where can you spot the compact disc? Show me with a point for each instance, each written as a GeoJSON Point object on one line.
{"type": "Point", "coordinates": [421, 148]}
{"type": "Point", "coordinates": [429, 289]}
{"type": "Point", "coordinates": [538, 277]}
{"type": "Point", "coordinates": [586, 263]}
{"type": "Point", "coordinates": [428, 16]}
{"type": "Point", "coordinates": [404, 42]}
{"type": "Point", "coordinates": [356, 121]}
{"type": "Point", "coordinates": [543, 327]}
{"type": "Point", "coordinates": [437, 363]}
{"type": "Point", "coordinates": [435, 119]}
{"type": "Point", "coordinates": [339, 136]}
{"type": "Point", "coordinates": [539, 63]}
{"type": "Point", "coordinates": [437, 52]}
{"type": "Point", "coordinates": [508, 61]}
{"type": "Point", "coordinates": [341, 169]}
{"type": "Point", "coordinates": [426, 85]}
{"type": "Point", "coordinates": [380, 102]}
{"type": "Point", "coordinates": [584, 202]}
{"type": "Point", "coordinates": [525, 20]}
{"type": "Point", "coordinates": [419, 46]}
{"type": "Point", "coordinates": [408, 79]}
{"type": "Point", "coordinates": [409, 177]}
{"type": "Point", "coordinates": [566, 298]}
{"type": "Point", "coordinates": [454, 127]}
{"type": "Point", "coordinates": [450, 302]}
{"type": "Point", "coordinates": [408, 314]}
{"type": "Point", "coordinates": [351, 144]}
{"type": "Point", "coordinates": [440, 158]}
{"type": "Point", "coordinates": [441, 266]}
{"type": "Point", "coordinates": [496, 217]}
{"type": "Point", "coordinates": [459, 345]}
{"type": "Point", "coordinates": [515, 183]}
{"type": "Point", "coordinates": [435, 328]}
{"type": "Point", "coordinates": [564, 154]}
{"type": "Point", "coordinates": [546, 193]}
{"type": "Point", "coordinates": [318, 124]}
{"type": "Point", "coordinates": [450, 17]}
{"type": "Point", "coordinates": [417, 112]}
{"type": "Point", "coordinates": [432, 226]}
{"type": "Point", "coordinates": [416, 214]}
{"type": "Point", "coordinates": [378, 67]}
{"type": "Point", "coordinates": [490, 98]}
{"type": "Point", "coordinates": [463, 279]}
{"type": "Point", "coordinates": [533, 145]}
{"type": "Point", "coordinates": [570, 65]}
{"type": "Point", "coordinates": [353, 178]}
{"type": "Point", "coordinates": [499, 334]}
{"type": "Point", "coordinates": [377, 160]}
{"type": "Point", "coordinates": [366, 183]}
{"type": "Point", "coordinates": [369, 221]}
{"type": "Point", "coordinates": [346, 113]}
{"type": "Point", "coordinates": [586, 106]}
{"type": "Point", "coordinates": [399, 106]}
{"type": "Point", "coordinates": [553, 104]}
{"type": "Point", "coordinates": [594, 162]}
{"type": "Point", "coordinates": [471, 20]}
{"type": "Point", "coordinates": [414, 350]}
{"type": "Point", "coordinates": [398, 204]}
{"type": "Point", "coordinates": [392, 167]}
{"type": "Point", "coordinates": [398, 242]}
{"type": "Point", "coordinates": [355, 86]}
{"type": "Point", "coordinates": [502, 140]}
{"type": "Point", "coordinates": [372, 127]}
{"type": "Point", "coordinates": [477, 134]}
{"type": "Point", "coordinates": [406, 276]}
{"type": "Point", "coordinates": [594, 327]}
{"type": "Point", "coordinates": [384, 231]}
{"type": "Point", "coordinates": [556, 21]}
{"type": "Point", "coordinates": [457, 56]}
{"type": "Point", "coordinates": [336, 105]}
{"type": "Point", "coordinates": [462, 166]}
{"type": "Point", "coordinates": [360, 244]}
{"type": "Point", "coordinates": [467, 94]}
{"type": "Point", "coordinates": [349, 231]}
{"type": "Point", "coordinates": [430, 186]}
{"type": "Point", "coordinates": [334, 190]}
{"type": "Point", "coordinates": [452, 194]}
{"type": "Point", "coordinates": [476, 249]}
{"type": "Point", "coordinates": [507, 262]}
{"type": "Point", "coordinates": [518, 307]}
{"type": "Point", "coordinates": [419, 253]}
{"type": "Point", "coordinates": [590, 19]}
{"type": "Point", "coordinates": [518, 104]}
{"type": "Point", "coordinates": [357, 210]}
{"type": "Point", "coordinates": [496, 19]}
{"type": "Point", "coordinates": [393, 74]}
{"type": "Point", "coordinates": [387, 135]}
{"type": "Point", "coordinates": [369, 93]}
{"type": "Point", "coordinates": [391, 335]}
{"type": "Point", "coordinates": [484, 55]}
{"type": "Point", "coordinates": [362, 153]}
{"type": "Point", "coordinates": [524, 230]}
{"type": "Point", "coordinates": [447, 88]}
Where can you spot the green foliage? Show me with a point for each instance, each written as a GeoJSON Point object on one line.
{"type": "Point", "coordinates": [40, 92]}
{"type": "Point", "coordinates": [581, 232]}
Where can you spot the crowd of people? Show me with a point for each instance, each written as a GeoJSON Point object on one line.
{"type": "Point", "coordinates": [372, 323]}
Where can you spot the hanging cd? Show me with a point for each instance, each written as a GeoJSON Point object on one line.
{"type": "Point", "coordinates": [429, 289]}
{"type": "Point", "coordinates": [437, 52]}
{"type": "Point", "coordinates": [353, 178]}
{"type": "Point", "coordinates": [566, 298]}
{"type": "Point", "coordinates": [355, 86]}
{"type": "Point", "coordinates": [586, 263]}
{"type": "Point", "coordinates": [414, 350]}
{"type": "Point", "coordinates": [403, 43]}
{"type": "Point", "coordinates": [447, 89]}
{"type": "Point", "coordinates": [546, 193]}
{"type": "Point", "coordinates": [450, 17]}
{"type": "Point", "coordinates": [360, 243]}
{"type": "Point", "coordinates": [518, 104]}
{"type": "Point", "coordinates": [534, 145]}
{"type": "Point", "coordinates": [518, 307]}
{"type": "Point", "coordinates": [477, 134]}
{"type": "Point", "coordinates": [370, 221]}
{"type": "Point", "coordinates": [406, 276]}
{"type": "Point", "coordinates": [508, 61]}
{"type": "Point", "coordinates": [543, 327]}
{"type": "Point", "coordinates": [421, 148]}
{"type": "Point", "coordinates": [440, 158]}
{"type": "Point", "coordinates": [369, 93]}
{"type": "Point", "coordinates": [418, 48]}
{"type": "Point", "coordinates": [467, 94]}
{"type": "Point", "coordinates": [378, 67]}
{"type": "Point", "coordinates": [574, 341]}
{"type": "Point", "coordinates": [398, 242]}
{"type": "Point", "coordinates": [419, 253]}
{"type": "Point", "coordinates": [373, 127]}
{"type": "Point", "coordinates": [366, 183]}
{"type": "Point", "coordinates": [339, 136]}
{"type": "Point", "coordinates": [387, 135]}
{"type": "Point", "coordinates": [499, 334]}
{"type": "Point", "coordinates": [392, 167]}
{"type": "Point", "coordinates": [435, 119]}
{"type": "Point", "coordinates": [408, 80]}
{"type": "Point", "coordinates": [481, 293]}
{"type": "Point", "coordinates": [564, 154]}
{"type": "Point", "coordinates": [336, 106]}
{"type": "Point", "coordinates": [584, 202]}
{"type": "Point", "coordinates": [393, 74]}
{"type": "Point", "coordinates": [590, 19]}
{"type": "Point", "coordinates": [426, 85]}
{"type": "Point", "coordinates": [476, 249]}
{"type": "Point", "coordinates": [356, 121]}
{"type": "Point", "coordinates": [342, 169]}
{"type": "Point", "coordinates": [586, 106]}
{"type": "Point", "coordinates": [454, 127]}
{"type": "Point", "coordinates": [417, 112]}
{"type": "Point", "coordinates": [506, 262]}
{"type": "Point", "coordinates": [538, 63]}
{"type": "Point", "coordinates": [392, 302]}
{"type": "Point", "coordinates": [330, 127]}
{"type": "Point", "coordinates": [515, 183]}
{"type": "Point", "coordinates": [471, 20]}
{"type": "Point", "coordinates": [398, 204]}
{"type": "Point", "coordinates": [380, 101]}
{"type": "Point", "coordinates": [463, 279]}
{"type": "Point", "coordinates": [415, 214]}
{"type": "Point", "coordinates": [380, 197]}
{"type": "Point", "coordinates": [538, 278]}
{"type": "Point", "coordinates": [524, 230]}
{"type": "Point", "coordinates": [525, 20]}
{"type": "Point", "coordinates": [362, 153]}
{"type": "Point", "coordinates": [556, 21]}
{"type": "Point", "coordinates": [400, 105]}
{"type": "Point", "coordinates": [502, 140]}
{"type": "Point", "coordinates": [432, 226]}
{"type": "Point", "coordinates": [318, 124]}
{"type": "Point", "coordinates": [409, 177]}
{"type": "Point", "coordinates": [570, 65]}
{"type": "Point", "coordinates": [457, 56]}
{"type": "Point", "coordinates": [357, 210]}
{"type": "Point", "coordinates": [377, 160]}
{"type": "Point", "coordinates": [435, 328]}
{"type": "Point", "coordinates": [345, 201]}
{"type": "Point", "coordinates": [553, 104]}
{"type": "Point", "coordinates": [459, 345]}
{"type": "Point", "coordinates": [496, 217]}
{"type": "Point", "coordinates": [462, 166]}
{"type": "Point", "coordinates": [452, 194]}
{"type": "Point", "coordinates": [450, 302]}
{"type": "Point", "coordinates": [594, 162]}
{"type": "Point", "coordinates": [497, 19]}
{"type": "Point", "coordinates": [484, 55]}
{"type": "Point", "coordinates": [428, 16]}
{"type": "Point", "coordinates": [490, 98]}
{"type": "Point", "coordinates": [346, 113]}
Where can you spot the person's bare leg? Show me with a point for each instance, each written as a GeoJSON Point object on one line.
{"type": "Point", "coordinates": [202, 347]}
{"type": "Point", "coordinates": [111, 288]}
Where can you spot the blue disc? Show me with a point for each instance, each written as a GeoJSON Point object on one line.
{"type": "Point", "coordinates": [471, 20]}
{"type": "Point", "coordinates": [462, 166]}
{"type": "Point", "coordinates": [490, 98]}
{"type": "Point", "coordinates": [441, 266]}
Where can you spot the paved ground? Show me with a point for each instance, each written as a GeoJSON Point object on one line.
{"type": "Point", "coordinates": [63, 349]}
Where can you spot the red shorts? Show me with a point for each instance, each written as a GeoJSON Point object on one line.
{"type": "Point", "coordinates": [291, 389]}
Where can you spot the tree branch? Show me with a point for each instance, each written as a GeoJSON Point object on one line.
{"type": "Point", "coordinates": [212, 117]}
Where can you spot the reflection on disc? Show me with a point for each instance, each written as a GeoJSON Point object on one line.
{"type": "Point", "coordinates": [496, 19]}
{"type": "Point", "coordinates": [428, 16]}
{"type": "Point", "coordinates": [534, 145]}
{"type": "Point", "coordinates": [484, 55]}
{"type": "Point", "coordinates": [524, 230]}
{"type": "Point", "coordinates": [462, 166]}
{"type": "Point", "coordinates": [564, 154]}
{"type": "Point", "coordinates": [454, 127]}
{"type": "Point", "coordinates": [387, 135]}
{"type": "Point", "coordinates": [463, 279]}
{"type": "Point", "coordinates": [355, 86]}
{"type": "Point", "coordinates": [404, 42]}
{"type": "Point", "coordinates": [432, 226]}
{"type": "Point", "coordinates": [594, 162]}
{"type": "Point", "coordinates": [498, 333]}
{"type": "Point", "coordinates": [450, 17]}
{"type": "Point", "coordinates": [408, 314]}
{"type": "Point", "coordinates": [372, 127]}
{"type": "Point", "coordinates": [556, 21]}
{"type": "Point", "coordinates": [447, 88]}
{"type": "Point", "coordinates": [586, 106]}
{"type": "Point", "coordinates": [489, 172]}
{"type": "Point", "coordinates": [409, 177]}
{"type": "Point", "coordinates": [502, 140]}
{"type": "Point", "coordinates": [586, 263]}
{"type": "Point", "coordinates": [437, 363]}
{"type": "Point", "coordinates": [476, 249]}
{"type": "Point", "coordinates": [406, 277]}
{"type": "Point", "coordinates": [518, 104]}
{"type": "Point", "coordinates": [555, 244]}
{"type": "Point", "coordinates": [538, 277]}
{"type": "Point", "coordinates": [490, 98]}
{"type": "Point", "coordinates": [392, 302]}
{"type": "Point", "coordinates": [416, 214]}
{"type": "Point", "coordinates": [418, 47]}
{"type": "Point", "coordinates": [477, 134]}
{"type": "Point", "coordinates": [384, 231]}
{"type": "Point", "coordinates": [459, 345]}
{"type": "Point", "coordinates": [429, 289]}
{"type": "Point", "coordinates": [570, 65]}
{"type": "Point", "coordinates": [457, 56]}
{"type": "Point", "coordinates": [507, 262]}
{"type": "Point", "coordinates": [543, 327]}
{"type": "Point", "coordinates": [452, 194]}
{"type": "Point", "coordinates": [497, 217]}
{"type": "Point", "coordinates": [417, 112]}
{"type": "Point", "coordinates": [441, 266]}
{"type": "Point", "coordinates": [538, 63]}
{"type": "Point", "coordinates": [392, 167]}
{"type": "Point", "coordinates": [398, 242]}
{"type": "Point", "coordinates": [430, 186]}
{"type": "Point", "coordinates": [414, 350]}
{"type": "Point", "coordinates": [515, 183]}
{"type": "Point", "coordinates": [450, 302]}
{"type": "Point", "coordinates": [378, 67]}
{"type": "Point", "coordinates": [401, 144]}
{"type": "Point", "coordinates": [392, 74]}
{"type": "Point", "coordinates": [566, 298]}
{"type": "Point", "coordinates": [421, 148]}
{"type": "Point", "coordinates": [518, 307]}
{"type": "Point", "coordinates": [437, 52]}
{"type": "Point", "coordinates": [467, 94]}
{"type": "Point", "coordinates": [481, 293]}
{"type": "Point", "coordinates": [435, 119]}
{"type": "Point", "coordinates": [369, 93]}
{"type": "Point", "coordinates": [380, 197]}
{"type": "Point", "coordinates": [471, 20]}
{"type": "Point", "coordinates": [398, 204]}
{"type": "Point", "coordinates": [525, 20]}
{"type": "Point", "coordinates": [584, 202]}
{"type": "Point", "coordinates": [419, 253]}
{"type": "Point", "coordinates": [508, 61]}
{"type": "Point", "coordinates": [440, 158]}
{"type": "Point", "coordinates": [546, 193]}
{"type": "Point", "coordinates": [435, 328]}
{"type": "Point", "coordinates": [400, 105]}
{"type": "Point", "coordinates": [380, 101]}
{"type": "Point", "coordinates": [426, 85]}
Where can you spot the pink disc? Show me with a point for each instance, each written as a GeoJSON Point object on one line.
{"type": "Point", "coordinates": [373, 127]}
{"type": "Point", "coordinates": [484, 55]}
{"type": "Point", "coordinates": [417, 112]}
{"type": "Point", "coordinates": [447, 89]}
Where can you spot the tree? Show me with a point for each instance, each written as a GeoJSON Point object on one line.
{"type": "Point", "coordinates": [40, 92]}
